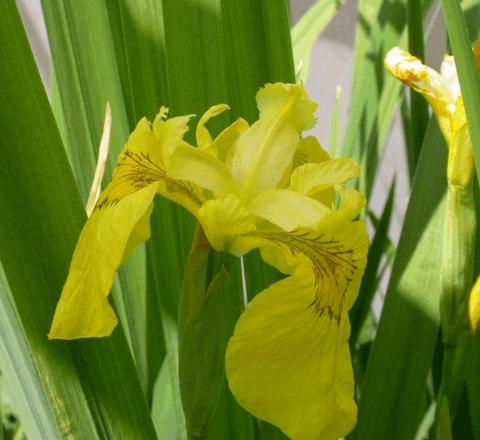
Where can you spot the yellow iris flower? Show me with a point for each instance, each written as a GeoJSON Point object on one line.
{"type": "Point", "coordinates": [442, 91]}
{"type": "Point", "coordinates": [259, 186]}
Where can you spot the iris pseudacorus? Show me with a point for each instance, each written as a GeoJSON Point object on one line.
{"type": "Point", "coordinates": [259, 186]}
{"type": "Point", "coordinates": [442, 91]}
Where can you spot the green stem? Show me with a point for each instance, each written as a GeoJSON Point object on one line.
{"type": "Point", "coordinates": [457, 274]}
{"type": "Point", "coordinates": [458, 259]}
{"type": "Point", "coordinates": [203, 333]}
{"type": "Point", "coordinates": [455, 365]}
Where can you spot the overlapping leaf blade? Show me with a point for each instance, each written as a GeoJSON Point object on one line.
{"type": "Point", "coordinates": [90, 388]}
{"type": "Point", "coordinates": [391, 396]}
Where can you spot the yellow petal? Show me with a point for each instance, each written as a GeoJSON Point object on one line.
{"type": "Point", "coordinates": [83, 310]}
{"type": "Point", "coordinates": [140, 233]}
{"type": "Point", "coordinates": [169, 132]}
{"type": "Point", "coordinates": [460, 169]}
{"type": "Point", "coordinates": [199, 167]}
{"type": "Point", "coordinates": [448, 70]}
{"type": "Point", "coordinates": [288, 361]}
{"type": "Point", "coordinates": [266, 149]}
{"type": "Point", "coordinates": [119, 223]}
{"type": "Point", "coordinates": [274, 96]}
{"type": "Point", "coordinates": [311, 178]}
{"type": "Point", "coordinates": [474, 306]}
{"type": "Point", "coordinates": [276, 257]}
{"type": "Point", "coordinates": [309, 151]}
{"type": "Point", "coordinates": [204, 138]}
{"type": "Point", "coordinates": [225, 219]}
{"type": "Point", "coordinates": [352, 203]}
{"type": "Point", "coordinates": [287, 209]}
{"type": "Point", "coordinates": [225, 142]}
{"type": "Point", "coordinates": [433, 86]}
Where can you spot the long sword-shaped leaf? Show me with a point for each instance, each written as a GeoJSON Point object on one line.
{"type": "Point", "coordinates": [86, 76]}
{"type": "Point", "coordinates": [369, 285]}
{"type": "Point", "coordinates": [395, 380]}
{"type": "Point", "coordinates": [18, 368]}
{"type": "Point", "coordinates": [418, 105]}
{"type": "Point", "coordinates": [307, 30]}
{"type": "Point", "coordinates": [382, 25]}
{"type": "Point", "coordinates": [91, 387]}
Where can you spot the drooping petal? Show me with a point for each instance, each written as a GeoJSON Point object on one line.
{"type": "Point", "coordinates": [204, 138]}
{"type": "Point", "coordinates": [201, 168]}
{"type": "Point", "coordinates": [433, 86]}
{"type": "Point", "coordinates": [288, 362]}
{"type": "Point", "coordinates": [461, 167]}
{"type": "Point", "coordinates": [224, 219]}
{"type": "Point", "coordinates": [119, 223]}
{"type": "Point", "coordinates": [83, 310]}
{"type": "Point", "coordinates": [287, 209]}
{"type": "Point", "coordinates": [312, 178]}
{"type": "Point", "coordinates": [266, 149]}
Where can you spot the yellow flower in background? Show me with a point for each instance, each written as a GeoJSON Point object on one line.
{"type": "Point", "coordinates": [474, 306]}
{"type": "Point", "coordinates": [259, 186]}
{"type": "Point", "coordinates": [442, 91]}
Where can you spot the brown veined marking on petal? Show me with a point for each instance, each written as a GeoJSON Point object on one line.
{"type": "Point", "coordinates": [330, 260]}
{"type": "Point", "coordinates": [136, 170]}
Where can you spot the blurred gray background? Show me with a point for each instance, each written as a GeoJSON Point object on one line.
{"type": "Point", "coordinates": [331, 66]}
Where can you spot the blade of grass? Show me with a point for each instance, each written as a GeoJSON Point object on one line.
{"type": "Point", "coordinates": [418, 105]}
{"type": "Point", "coordinates": [306, 31]}
{"type": "Point", "coordinates": [381, 25]}
{"type": "Point", "coordinates": [335, 124]}
{"type": "Point", "coordinates": [391, 397]}
{"type": "Point", "coordinates": [18, 367]}
{"type": "Point", "coordinates": [369, 285]}
{"type": "Point", "coordinates": [91, 386]}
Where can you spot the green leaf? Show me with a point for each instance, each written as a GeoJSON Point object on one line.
{"type": "Point", "coordinates": [382, 26]}
{"type": "Point", "coordinates": [334, 125]}
{"type": "Point", "coordinates": [368, 287]}
{"type": "Point", "coordinates": [307, 30]}
{"type": "Point", "coordinates": [391, 397]}
{"type": "Point", "coordinates": [418, 106]}
{"type": "Point", "coordinates": [90, 387]}
{"type": "Point", "coordinates": [18, 367]}
{"type": "Point", "coordinates": [202, 335]}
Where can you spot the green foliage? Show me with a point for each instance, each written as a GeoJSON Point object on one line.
{"type": "Point", "coordinates": [188, 55]}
